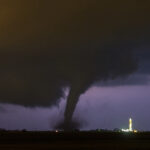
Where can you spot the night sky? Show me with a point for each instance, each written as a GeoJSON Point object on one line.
{"type": "Point", "coordinates": [74, 64]}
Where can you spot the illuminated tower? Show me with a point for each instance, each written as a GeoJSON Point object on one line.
{"type": "Point", "coordinates": [130, 124]}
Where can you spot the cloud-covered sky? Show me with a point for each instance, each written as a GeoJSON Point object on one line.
{"type": "Point", "coordinates": [47, 47]}
{"type": "Point", "coordinates": [99, 107]}
{"type": "Point", "coordinates": [105, 105]}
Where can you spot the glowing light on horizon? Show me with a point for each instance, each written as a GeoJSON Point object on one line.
{"type": "Point", "coordinates": [130, 127]}
{"type": "Point", "coordinates": [130, 124]}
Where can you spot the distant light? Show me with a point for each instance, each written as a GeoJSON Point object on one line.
{"type": "Point", "coordinates": [130, 124]}
{"type": "Point", "coordinates": [135, 131]}
{"type": "Point", "coordinates": [125, 130]}
{"type": "Point", "coordinates": [56, 131]}
{"type": "Point", "coordinates": [130, 127]}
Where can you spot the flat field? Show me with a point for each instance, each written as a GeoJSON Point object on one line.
{"type": "Point", "coordinates": [18, 140]}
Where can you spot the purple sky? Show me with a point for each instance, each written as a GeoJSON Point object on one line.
{"type": "Point", "coordinates": [100, 107]}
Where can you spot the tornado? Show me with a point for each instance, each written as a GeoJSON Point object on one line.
{"type": "Point", "coordinates": [72, 101]}
{"type": "Point", "coordinates": [111, 64]}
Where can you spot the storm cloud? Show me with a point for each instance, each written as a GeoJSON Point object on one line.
{"type": "Point", "coordinates": [47, 46]}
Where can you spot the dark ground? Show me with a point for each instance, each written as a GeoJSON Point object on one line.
{"type": "Point", "coordinates": [19, 140]}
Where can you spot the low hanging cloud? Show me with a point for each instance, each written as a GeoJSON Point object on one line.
{"type": "Point", "coordinates": [48, 46]}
